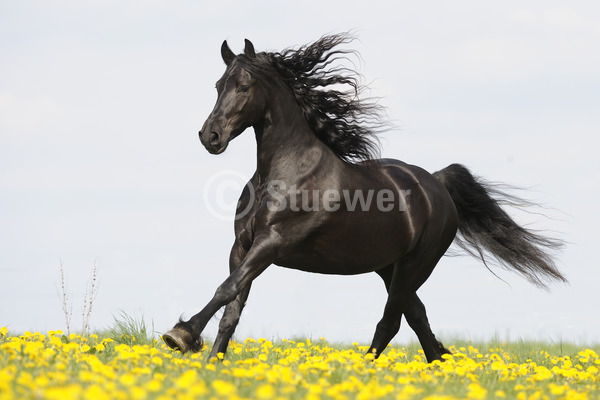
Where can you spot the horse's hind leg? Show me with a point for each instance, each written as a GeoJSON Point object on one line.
{"type": "Point", "coordinates": [396, 305]}
{"type": "Point", "coordinates": [416, 317]}
{"type": "Point", "coordinates": [408, 274]}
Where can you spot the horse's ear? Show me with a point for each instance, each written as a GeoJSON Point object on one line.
{"type": "Point", "coordinates": [249, 49]}
{"type": "Point", "coordinates": [226, 53]}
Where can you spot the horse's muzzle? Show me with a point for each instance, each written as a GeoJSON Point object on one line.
{"type": "Point", "coordinates": [213, 142]}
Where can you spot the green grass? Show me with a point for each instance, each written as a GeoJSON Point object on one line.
{"type": "Point", "coordinates": [130, 330]}
{"type": "Point", "coordinates": [128, 361]}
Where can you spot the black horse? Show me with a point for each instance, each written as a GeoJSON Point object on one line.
{"type": "Point", "coordinates": [320, 201]}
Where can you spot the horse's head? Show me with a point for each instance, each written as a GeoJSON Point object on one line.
{"type": "Point", "coordinates": [240, 101]}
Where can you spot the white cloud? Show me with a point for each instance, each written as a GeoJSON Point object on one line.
{"type": "Point", "coordinates": [502, 57]}
{"type": "Point", "coordinates": [558, 17]}
{"type": "Point", "coordinates": [19, 114]}
{"type": "Point", "coordinates": [563, 17]}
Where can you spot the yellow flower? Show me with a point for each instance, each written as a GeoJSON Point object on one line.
{"type": "Point", "coordinates": [156, 361]}
{"type": "Point", "coordinates": [186, 379]}
{"type": "Point", "coordinates": [96, 392]}
{"type": "Point", "coordinates": [37, 366]}
{"type": "Point", "coordinates": [154, 386]}
{"type": "Point", "coordinates": [72, 391]}
{"type": "Point", "coordinates": [223, 388]}
{"type": "Point", "coordinates": [211, 367]}
{"type": "Point", "coordinates": [557, 390]}
{"type": "Point", "coordinates": [265, 391]}
{"type": "Point", "coordinates": [127, 379]}
{"type": "Point", "coordinates": [476, 391]}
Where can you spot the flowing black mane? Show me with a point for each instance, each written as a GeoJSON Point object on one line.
{"type": "Point", "coordinates": [329, 95]}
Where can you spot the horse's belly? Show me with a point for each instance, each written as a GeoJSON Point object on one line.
{"type": "Point", "coordinates": [345, 252]}
{"type": "Point", "coordinates": [330, 267]}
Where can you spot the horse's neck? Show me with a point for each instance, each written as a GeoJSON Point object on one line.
{"type": "Point", "coordinates": [286, 146]}
{"type": "Point", "coordinates": [292, 155]}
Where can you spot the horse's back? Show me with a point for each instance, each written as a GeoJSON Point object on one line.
{"type": "Point", "coordinates": [426, 196]}
{"type": "Point", "coordinates": [407, 176]}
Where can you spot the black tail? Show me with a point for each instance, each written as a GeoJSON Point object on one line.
{"type": "Point", "coordinates": [485, 228]}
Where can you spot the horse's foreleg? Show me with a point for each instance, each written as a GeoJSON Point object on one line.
{"type": "Point", "coordinates": [229, 321]}
{"type": "Point", "coordinates": [233, 310]}
{"type": "Point", "coordinates": [186, 335]}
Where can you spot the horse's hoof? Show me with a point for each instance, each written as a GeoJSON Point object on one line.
{"type": "Point", "coordinates": [178, 339]}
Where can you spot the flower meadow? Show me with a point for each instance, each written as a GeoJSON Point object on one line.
{"type": "Point", "coordinates": [58, 366]}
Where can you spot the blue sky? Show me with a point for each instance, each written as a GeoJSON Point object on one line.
{"type": "Point", "coordinates": [101, 102]}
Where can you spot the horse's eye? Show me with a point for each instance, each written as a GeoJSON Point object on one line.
{"type": "Point", "coordinates": [244, 88]}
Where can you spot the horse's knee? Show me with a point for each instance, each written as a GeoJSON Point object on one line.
{"type": "Point", "coordinates": [225, 293]}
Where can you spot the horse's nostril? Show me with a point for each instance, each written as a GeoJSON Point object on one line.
{"type": "Point", "coordinates": [214, 138]}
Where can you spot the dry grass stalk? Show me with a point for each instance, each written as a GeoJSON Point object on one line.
{"type": "Point", "coordinates": [67, 305]}
{"type": "Point", "coordinates": [91, 292]}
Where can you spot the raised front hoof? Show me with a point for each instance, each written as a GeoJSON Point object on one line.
{"type": "Point", "coordinates": [182, 340]}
